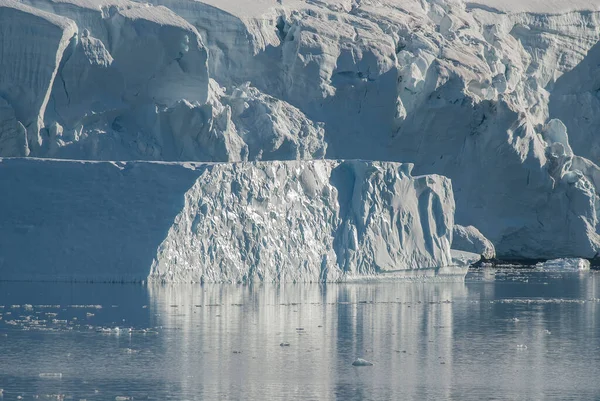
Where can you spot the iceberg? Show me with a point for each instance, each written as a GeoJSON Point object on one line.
{"type": "Point", "coordinates": [564, 265]}
{"type": "Point", "coordinates": [300, 221]}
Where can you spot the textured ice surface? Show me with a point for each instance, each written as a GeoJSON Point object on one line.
{"type": "Point", "coordinates": [307, 221]}
{"type": "Point", "coordinates": [499, 96]}
{"type": "Point", "coordinates": [269, 221]}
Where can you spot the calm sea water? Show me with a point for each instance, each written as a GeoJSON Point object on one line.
{"type": "Point", "coordinates": [502, 334]}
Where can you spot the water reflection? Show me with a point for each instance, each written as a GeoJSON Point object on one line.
{"type": "Point", "coordinates": [398, 326]}
{"type": "Point", "coordinates": [503, 333]}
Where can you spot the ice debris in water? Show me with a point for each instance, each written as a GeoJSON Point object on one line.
{"type": "Point", "coordinates": [564, 265]}
{"type": "Point", "coordinates": [362, 362]}
{"type": "Point", "coordinates": [51, 375]}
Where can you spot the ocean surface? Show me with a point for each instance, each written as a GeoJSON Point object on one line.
{"type": "Point", "coordinates": [502, 334]}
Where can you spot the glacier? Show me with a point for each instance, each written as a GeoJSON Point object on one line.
{"type": "Point", "coordinates": [500, 96]}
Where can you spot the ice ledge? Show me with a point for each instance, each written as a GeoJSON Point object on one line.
{"type": "Point", "coordinates": [535, 6]}
{"type": "Point", "coordinates": [318, 220]}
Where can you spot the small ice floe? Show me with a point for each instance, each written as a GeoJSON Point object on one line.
{"type": "Point", "coordinates": [116, 330]}
{"type": "Point", "coordinates": [50, 375]}
{"type": "Point", "coordinates": [564, 265]}
{"type": "Point", "coordinates": [284, 344]}
{"type": "Point", "coordinates": [362, 362]}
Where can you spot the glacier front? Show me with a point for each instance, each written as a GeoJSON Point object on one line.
{"type": "Point", "coordinates": [498, 96]}
{"type": "Point", "coordinates": [270, 221]}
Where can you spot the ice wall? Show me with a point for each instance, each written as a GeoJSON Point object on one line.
{"type": "Point", "coordinates": [33, 43]}
{"type": "Point", "coordinates": [270, 221]}
{"type": "Point", "coordinates": [499, 96]}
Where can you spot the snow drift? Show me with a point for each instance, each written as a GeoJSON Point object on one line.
{"type": "Point", "coordinates": [269, 221]}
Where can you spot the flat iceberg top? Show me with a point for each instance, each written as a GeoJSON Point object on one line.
{"type": "Point", "coordinates": [130, 9]}
{"type": "Point", "coordinates": [159, 15]}
{"type": "Point", "coordinates": [59, 21]}
{"type": "Point", "coordinates": [535, 6]}
{"type": "Point", "coordinates": [245, 9]}
{"type": "Point", "coordinates": [94, 4]}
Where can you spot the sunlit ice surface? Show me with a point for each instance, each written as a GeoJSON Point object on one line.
{"type": "Point", "coordinates": [503, 333]}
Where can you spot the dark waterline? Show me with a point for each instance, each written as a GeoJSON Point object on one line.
{"type": "Point", "coordinates": [503, 334]}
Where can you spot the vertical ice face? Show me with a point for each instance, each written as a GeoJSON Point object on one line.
{"type": "Point", "coordinates": [86, 221]}
{"type": "Point", "coordinates": [268, 221]}
{"type": "Point", "coordinates": [126, 61]}
{"type": "Point", "coordinates": [307, 221]}
{"type": "Point", "coordinates": [32, 46]}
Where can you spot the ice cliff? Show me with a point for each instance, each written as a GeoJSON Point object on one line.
{"type": "Point", "coordinates": [499, 96]}
{"type": "Point", "coordinates": [193, 222]}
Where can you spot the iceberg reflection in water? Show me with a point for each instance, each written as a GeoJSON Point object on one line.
{"type": "Point", "coordinates": [518, 335]}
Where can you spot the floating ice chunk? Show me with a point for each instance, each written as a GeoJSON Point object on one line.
{"type": "Point", "coordinates": [470, 239]}
{"type": "Point", "coordinates": [51, 375]}
{"type": "Point", "coordinates": [462, 258]}
{"type": "Point", "coordinates": [130, 351]}
{"type": "Point", "coordinates": [362, 362]}
{"type": "Point", "coordinates": [566, 265]}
